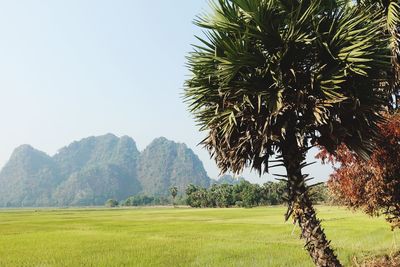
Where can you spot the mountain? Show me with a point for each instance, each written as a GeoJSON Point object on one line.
{"type": "Point", "coordinates": [165, 163]}
{"type": "Point", "coordinates": [229, 179]}
{"type": "Point", "coordinates": [28, 179]}
{"type": "Point", "coordinates": [94, 185]}
{"type": "Point", "coordinates": [94, 169]}
{"type": "Point", "coordinates": [101, 150]}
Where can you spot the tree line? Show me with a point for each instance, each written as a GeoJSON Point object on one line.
{"type": "Point", "coordinates": [243, 194]}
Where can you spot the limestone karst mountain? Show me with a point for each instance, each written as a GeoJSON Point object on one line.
{"type": "Point", "coordinates": [94, 169]}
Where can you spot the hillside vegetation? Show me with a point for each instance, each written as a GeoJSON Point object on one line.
{"type": "Point", "coordinates": [94, 169]}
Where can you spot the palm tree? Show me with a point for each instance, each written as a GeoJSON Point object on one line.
{"type": "Point", "coordinates": [273, 78]}
{"type": "Point", "coordinates": [174, 191]}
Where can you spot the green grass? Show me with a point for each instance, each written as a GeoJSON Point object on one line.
{"type": "Point", "coordinates": [178, 237]}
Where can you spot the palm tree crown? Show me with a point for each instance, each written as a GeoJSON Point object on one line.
{"type": "Point", "coordinates": [316, 70]}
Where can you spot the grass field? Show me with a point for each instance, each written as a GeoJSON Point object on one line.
{"type": "Point", "coordinates": [178, 237]}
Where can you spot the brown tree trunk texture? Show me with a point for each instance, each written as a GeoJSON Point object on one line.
{"type": "Point", "coordinates": [302, 211]}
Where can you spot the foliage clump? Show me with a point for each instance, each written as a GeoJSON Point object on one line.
{"type": "Point", "coordinates": [112, 203]}
{"type": "Point", "coordinates": [243, 194]}
{"type": "Point", "coordinates": [372, 185]}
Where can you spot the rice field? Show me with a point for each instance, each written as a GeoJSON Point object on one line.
{"type": "Point", "coordinates": [179, 237]}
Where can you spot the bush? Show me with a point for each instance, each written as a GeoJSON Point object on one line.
{"type": "Point", "coordinates": [111, 203]}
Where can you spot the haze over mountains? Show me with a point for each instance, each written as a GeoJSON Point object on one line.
{"type": "Point", "coordinates": [94, 169]}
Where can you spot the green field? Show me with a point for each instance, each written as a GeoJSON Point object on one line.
{"type": "Point", "coordinates": [178, 237]}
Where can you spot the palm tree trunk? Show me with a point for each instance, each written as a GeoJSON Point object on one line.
{"type": "Point", "coordinates": [302, 211]}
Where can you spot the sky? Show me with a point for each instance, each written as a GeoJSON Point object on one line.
{"type": "Point", "coordinates": [70, 69]}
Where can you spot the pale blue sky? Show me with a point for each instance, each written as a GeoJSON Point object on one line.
{"type": "Point", "coordinates": [75, 68]}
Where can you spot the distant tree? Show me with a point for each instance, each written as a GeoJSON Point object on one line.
{"type": "Point", "coordinates": [273, 193]}
{"type": "Point", "coordinates": [319, 193]}
{"type": "Point", "coordinates": [250, 194]}
{"type": "Point", "coordinates": [224, 196]}
{"type": "Point", "coordinates": [212, 195]}
{"type": "Point", "coordinates": [247, 194]}
{"type": "Point", "coordinates": [174, 191]}
{"type": "Point", "coordinates": [372, 185]}
{"type": "Point", "coordinates": [192, 192]}
{"type": "Point", "coordinates": [141, 200]}
{"type": "Point", "coordinates": [204, 198]}
{"type": "Point", "coordinates": [161, 200]}
{"type": "Point", "coordinates": [111, 203]}
{"type": "Point", "coordinates": [220, 195]}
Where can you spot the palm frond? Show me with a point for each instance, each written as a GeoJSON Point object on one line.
{"type": "Point", "coordinates": [267, 69]}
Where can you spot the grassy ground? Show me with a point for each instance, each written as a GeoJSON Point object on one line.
{"type": "Point", "coordinates": [178, 237]}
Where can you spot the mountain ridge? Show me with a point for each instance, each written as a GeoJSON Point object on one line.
{"type": "Point", "coordinates": [95, 168]}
